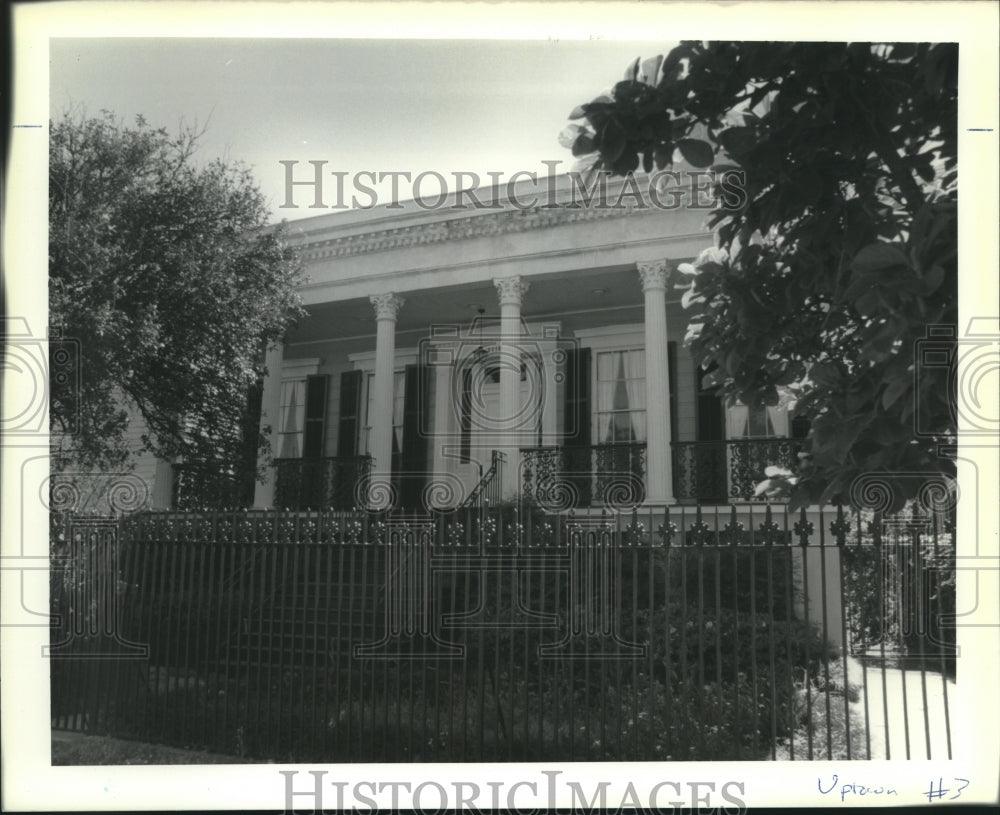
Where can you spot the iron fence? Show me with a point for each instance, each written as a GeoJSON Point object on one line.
{"type": "Point", "coordinates": [510, 634]}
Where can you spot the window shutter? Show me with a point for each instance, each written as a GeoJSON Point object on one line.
{"type": "Point", "coordinates": [711, 410]}
{"type": "Point", "coordinates": [709, 467]}
{"type": "Point", "coordinates": [413, 456]}
{"type": "Point", "coordinates": [577, 424]}
{"type": "Point", "coordinates": [800, 427]}
{"type": "Point", "coordinates": [465, 418]}
{"type": "Point", "coordinates": [350, 406]}
{"type": "Point", "coordinates": [577, 415]}
{"type": "Point", "coordinates": [672, 384]}
{"type": "Point", "coordinates": [315, 416]}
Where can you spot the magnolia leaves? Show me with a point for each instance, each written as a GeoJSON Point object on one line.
{"type": "Point", "coordinates": [847, 154]}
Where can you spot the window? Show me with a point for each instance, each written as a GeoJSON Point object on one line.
{"type": "Point", "coordinates": [398, 402]}
{"type": "Point", "coordinates": [756, 423]}
{"type": "Point", "coordinates": [302, 417]}
{"type": "Point", "coordinates": [292, 422]}
{"type": "Point", "coordinates": [621, 396]}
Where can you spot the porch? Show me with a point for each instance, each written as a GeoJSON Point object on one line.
{"type": "Point", "coordinates": [554, 476]}
{"type": "Point", "coordinates": [550, 339]}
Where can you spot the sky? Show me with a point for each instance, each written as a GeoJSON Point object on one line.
{"type": "Point", "coordinates": [377, 105]}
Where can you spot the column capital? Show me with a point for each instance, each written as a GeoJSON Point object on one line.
{"type": "Point", "coordinates": [387, 305]}
{"type": "Point", "coordinates": [511, 290]}
{"type": "Point", "coordinates": [653, 274]}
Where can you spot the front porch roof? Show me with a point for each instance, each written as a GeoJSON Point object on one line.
{"type": "Point", "coordinates": [355, 254]}
{"type": "Point", "coordinates": [573, 298]}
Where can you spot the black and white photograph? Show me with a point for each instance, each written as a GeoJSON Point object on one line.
{"type": "Point", "coordinates": [502, 407]}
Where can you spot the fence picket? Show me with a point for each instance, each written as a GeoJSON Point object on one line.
{"type": "Point", "coordinates": [252, 619]}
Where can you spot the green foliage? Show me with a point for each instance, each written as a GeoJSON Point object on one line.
{"type": "Point", "coordinates": [161, 269]}
{"type": "Point", "coordinates": [899, 593]}
{"type": "Point", "coordinates": [841, 249]}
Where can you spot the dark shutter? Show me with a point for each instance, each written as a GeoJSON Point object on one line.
{"type": "Point", "coordinates": [800, 427]}
{"type": "Point", "coordinates": [413, 464]}
{"type": "Point", "coordinates": [576, 454]}
{"type": "Point", "coordinates": [465, 418]}
{"type": "Point", "coordinates": [711, 425]}
{"type": "Point", "coordinates": [312, 438]}
{"type": "Point", "coordinates": [709, 462]}
{"type": "Point", "coordinates": [350, 407]}
{"type": "Point", "coordinates": [577, 409]}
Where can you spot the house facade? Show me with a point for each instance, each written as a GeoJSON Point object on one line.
{"type": "Point", "coordinates": [532, 348]}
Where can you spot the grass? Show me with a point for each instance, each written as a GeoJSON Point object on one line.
{"type": "Point", "coordinates": [73, 749]}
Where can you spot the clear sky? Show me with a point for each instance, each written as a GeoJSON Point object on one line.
{"type": "Point", "coordinates": [378, 105]}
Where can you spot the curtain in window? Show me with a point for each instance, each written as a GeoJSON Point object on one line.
{"type": "Point", "coordinates": [737, 422]}
{"type": "Point", "coordinates": [770, 422]}
{"type": "Point", "coordinates": [292, 424]}
{"type": "Point", "coordinates": [605, 393]}
{"type": "Point", "coordinates": [778, 421]}
{"type": "Point", "coordinates": [634, 369]}
{"type": "Point", "coordinates": [398, 405]}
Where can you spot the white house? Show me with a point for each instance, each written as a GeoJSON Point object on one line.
{"type": "Point", "coordinates": [525, 328]}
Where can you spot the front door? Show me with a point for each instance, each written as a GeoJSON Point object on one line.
{"type": "Point", "coordinates": [486, 428]}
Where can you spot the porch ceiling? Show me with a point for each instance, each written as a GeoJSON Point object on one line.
{"type": "Point", "coordinates": [550, 296]}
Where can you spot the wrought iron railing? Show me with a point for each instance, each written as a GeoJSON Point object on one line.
{"type": "Point", "coordinates": [320, 483]}
{"type": "Point", "coordinates": [487, 490]}
{"type": "Point", "coordinates": [211, 485]}
{"type": "Point", "coordinates": [612, 475]}
{"type": "Point", "coordinates": [728, 471]}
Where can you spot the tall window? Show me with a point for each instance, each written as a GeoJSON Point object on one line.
{"type": "Point", "coordinates": [302, 418]}
{"type": "Point", "coordinates": [621, 396]}
{"type": "Point", "coordinates": [292, 423]}
{"type": "Point", "coordinates": [398, 402]}
{"type": "Point", "coordinates": [759, 422]}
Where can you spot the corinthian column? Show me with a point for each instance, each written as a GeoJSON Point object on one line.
{"type": "Point", "coordinates": [387, 308]}
{"type": "Point", "coordinates": [659, 478]}
{"type": "Point", "coordinates": [512, 418]}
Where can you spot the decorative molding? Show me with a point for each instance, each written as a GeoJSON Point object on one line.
{"type": "Point", "coordinates": [365, 360]}
{"type": "Point", "coordinates": [475, 226]}
{"type": "Point", "coordinates": [387, 305]}
{"type": "Point", "coordinates": [511, 290]}
{"type": "Point", "coordinates": [653, 274]}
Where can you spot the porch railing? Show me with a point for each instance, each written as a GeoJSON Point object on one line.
{"type": "Point", "coordinates": [578, 476]}
{"type": "Point", "coordinates": [487, 490]}
{"type": "Point", "coordinates": [614, 474]}
{"type": "Point", "coordinates": [728, 471]}
{"type": "Point", "coordinates": [320, 483]}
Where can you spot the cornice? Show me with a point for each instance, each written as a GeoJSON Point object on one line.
{"type": "Point", "coordinates": [454, 229]}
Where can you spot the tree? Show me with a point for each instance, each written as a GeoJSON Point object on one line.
{"type": "Point", "coordinates": [162, 271]}
{"type": "Point", "coordinates": [842, 252]}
